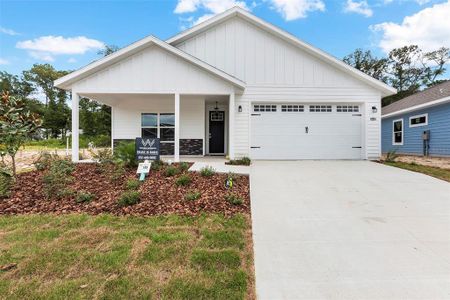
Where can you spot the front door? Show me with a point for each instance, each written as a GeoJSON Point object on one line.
{"type": "Point", "coordinates": [216, 132]}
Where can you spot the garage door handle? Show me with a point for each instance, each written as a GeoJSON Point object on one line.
{"type": "Point", "coordinates": [255, 147]}
{"type": "Point", "coordinates": [306, 129]}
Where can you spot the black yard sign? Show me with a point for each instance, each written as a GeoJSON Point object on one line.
{"type": "Point", "coordinates": [147, 149]}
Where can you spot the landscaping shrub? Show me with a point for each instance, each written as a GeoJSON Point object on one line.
{"type": "Point", "coordinates": [184, 166]}
{"type": "Point", "coordinates": [244, 161]}
{"type": "Point", "coordinates": [233, 199]}
{"type": "Point", "coordinates": [125, 152]}
{"type": "Point", "coordinates": [44, 160]}
{"type": "Point", "coordinates": [103, 156]}
{"type": "Point", "coordinates": [192, 195]}
{"type": "Point", "coordinates": [391, 156]}
{"type": "Point", "coordinates": [207, 171]}
{"type": "Point", "coordinates": [83, 196]}
{"type": "Point", "coordinates": [171, 171]}
{"type": "Point", "coordinates": [129, 198]}
{"type": "Point", "coordinates": [132, 184]}
{"type": "Point", "coordinates": [157, 165]}
{"type": "Point", "coordinates": [183, 180]}
{"type": "Point", "coordinates": [56, 179]}
{"type": "Point", "coordinates": [117, 170]}
{"type": "Point", "coordinates": [6, 181]}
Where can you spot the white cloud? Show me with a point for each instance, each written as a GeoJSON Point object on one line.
{"type": "Point", "coordinates": [429, 29]}
{"type": "Point", "coordinates": [4, 61]}
{"type": "Point", "coordinates": [296, 9]}
{"type": "Point", "coordinates": [71, 60]}
{"type": "Point", "coordinates": [8, 31]}
{"type": "Point", "coordinates": [202, 19]}
{"type": "Point", "coordinates": [46, 47]}
{"type": "Point", "coordinates": [359, 7]}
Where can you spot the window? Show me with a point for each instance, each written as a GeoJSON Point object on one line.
{"type": "Point", "coordinates": [292, 108]}
{"type": "Point", "coordinates": [418, 120]}
{"type": "Point", "coordinates": [158, 126]}
{"type": "Point", "coordinates": [264, 108]}
{"type": "Point", "coordinates": [347, 108]}
{"type": "Point", "coordinates": [320, 108]}
{"type": "Point", "coordinates": [397, 132]}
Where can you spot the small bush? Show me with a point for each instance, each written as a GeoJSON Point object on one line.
{"type": "Point", "coordinates": [192, 195]}
{"type": "Point", "coordinates": [183, 180]}
{"type": "Point", "coordinates": [171, 171]}
{"type": "Point", "coordinates": [207, 171]}
{"type": "Point", "coordinates": [157, 165]}
{"type": "Point", "coordinates": [184, 166]}
{"type": "Point", "coordinates": [44, 160]}
{"type": "Point", "coordinates": [56, 179]}
{"type": "Point", "coordinates": [125, 152]}
{"type": "Point", "coordinates": [6, 181]}
{"type": "Point", "coordinates": [83, 196]}
{"type": "Point", "coordinates": [132, 184]}
{"type": "Point", "coordinates": [391, 156]}
{"type": "Point", "coordinates": [233, 199]}
{"type": "Point", "coordinates": [129, 198]}
{"type": "Point", "coordinates": [244, 161]}
{"type": "Point", "coordinates": [103, 156]}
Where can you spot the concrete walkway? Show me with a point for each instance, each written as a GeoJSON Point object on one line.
{"type": "Point", "coordinates": [349, 230]}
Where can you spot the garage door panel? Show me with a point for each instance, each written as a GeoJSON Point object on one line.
{"type": "Point", "coordinates": [282, 135]}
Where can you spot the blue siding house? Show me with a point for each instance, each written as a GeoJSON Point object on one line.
{"type": "Point", "coordinates": [419, 124]}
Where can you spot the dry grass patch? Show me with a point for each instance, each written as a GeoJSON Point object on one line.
{"type": "Point", "coordinates": [110, 257]}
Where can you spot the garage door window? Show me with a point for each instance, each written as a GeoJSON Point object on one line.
{"type": "Point", "coordinates": [292, 108]}
{"type": "Point", "coordinates": [397, 132]}
{"type": "Point", "coordinates": [264, 108]}
{"type": "Point", "coordinates": [347, 108]}
{"type": "Point", "coordinates": [320, 108]}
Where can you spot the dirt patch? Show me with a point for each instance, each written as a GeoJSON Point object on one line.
{"type": "Point", "coordinates": [159, 194]}
{"type": "Point", "coordinates": [438, 162]}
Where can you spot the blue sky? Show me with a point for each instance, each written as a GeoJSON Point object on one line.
{"type": "Point", "coordinates": [68, 34]}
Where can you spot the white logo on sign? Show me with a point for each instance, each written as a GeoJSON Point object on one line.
{"type": "Point", "coordinates": [147, 143]}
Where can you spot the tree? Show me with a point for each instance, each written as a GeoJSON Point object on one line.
{"type": "Point", "coordinates": [16, 125]}
{"type": "Point", "coordinates": [107, 50]}
{"type": "Point", "coordinates": [15, 86]}
{"type": "Point", "coordinates": [437, 60]}
{"type": "Point", "coordinates": [367, 63]}
{"type": "Point", "coordinates": [95, 118]}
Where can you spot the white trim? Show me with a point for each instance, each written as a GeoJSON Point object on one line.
{"type": "Point", "coordinates": [237, 11]}
{"type": "Point", "coordinates": [66, 81]}
{"type": "Point", "coordinates": [418, 116]}
{"type": "Point", "coordinates": [75, 127]}
{"type": "Point", "coordinates": [417, 107]}
{"type": "Point", "coordinates": [393, 132]}
{"type": "Point", "coordinates": [177, 128]}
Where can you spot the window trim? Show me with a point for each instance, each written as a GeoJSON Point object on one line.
{"type": "Point", "coordinates": [158, 125]}
{"type": "Point", "coordinates": [393, 132]}
{"type": "Point", "coordinates": [418, 116]}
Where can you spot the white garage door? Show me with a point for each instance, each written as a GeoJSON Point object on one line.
{"type": "Point", "coordinates": [306, 131]}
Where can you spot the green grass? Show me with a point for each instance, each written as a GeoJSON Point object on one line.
{"type": "Point", "coordinates": [443, 174]}
{"type": "Point", "coordinates": [109, 257]}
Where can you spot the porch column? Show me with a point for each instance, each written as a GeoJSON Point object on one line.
{"type": "Point", "coordinates": [232, 110]}
{"type": "Point", "coordinates": [75, 126]}
{"type": "Point", "coordinates": [177, 128]}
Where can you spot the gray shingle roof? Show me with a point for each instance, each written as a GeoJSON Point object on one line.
{"type": "Point", "coordinates": [436, 92]}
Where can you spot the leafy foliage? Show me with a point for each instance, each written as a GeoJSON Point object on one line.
{"type": "Point", "coordinates": [192, 195]}
{"type": "Point", "coordinates": [207, 171]}
{"type": "Point", "coordinates": [233, 199]}
{"type": "Point", "coordinates": [125, 152]}
{"type": "Point", "coordinates": [102, 155]}
{"type": "Point", "coordinates": [57, 178]}
{"type": "Point", "coordinates": [83, 196]}
{"type": "Point", "coordinates": [157, 165]}
{"type": "Point", "coordinates": [171, 171]}
{"type": "Point", "coordinates": [391, 156]}
{"type": "Point", "coordinates": [44, 160]}
{"type": "Point", "coordinates": [244, 161]}
{"type": "Point", "coordinates": [183, 180]}
{"type": "Point", "coordinates": [6, 181]}
{"type": "Point", "coordinates": [184, 166]}
{"type": "Point", "coordinates": [129, 198]}
{"type": "Point", "coordinates": [132, 184]}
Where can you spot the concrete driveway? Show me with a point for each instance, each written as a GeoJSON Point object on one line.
{"type": "Point", "coordinates": [349, 230]}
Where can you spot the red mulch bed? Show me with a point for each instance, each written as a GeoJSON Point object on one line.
{"type": "Point", "coordinates": [159, 194]}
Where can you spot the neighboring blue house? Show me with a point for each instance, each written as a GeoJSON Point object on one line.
{"type": "Point", "coordinates": [408, 122]}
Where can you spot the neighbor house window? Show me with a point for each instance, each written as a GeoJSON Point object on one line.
{"type": "Point", "coordinates": [397, 132]}
{"type": "Point", "coordinates": [292, 108]}
{"type": "Point", "coordinates": [418, 120]}
{"type": "Point", "coordinates": [158, 126]}
{"type": "Point", "coordinates": [320, 108]}
{"type": "Point", "coordinates": [264, 108]}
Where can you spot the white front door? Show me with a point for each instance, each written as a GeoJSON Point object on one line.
{"type": "Point", "coordinates": [306, 131]}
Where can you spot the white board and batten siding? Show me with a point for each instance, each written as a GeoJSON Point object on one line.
{"type": "Point", "coordinates": [275, 71]}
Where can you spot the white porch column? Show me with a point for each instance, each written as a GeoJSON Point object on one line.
{"type": "Point", "coordinates": [232, 110]}
{"type": "Point", "coordinates": [75, 126]}
{"type": "Point", "coordinates": [177, 128]}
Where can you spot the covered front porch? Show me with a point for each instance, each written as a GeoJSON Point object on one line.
{"type": "Point", "coordinates": [187, 124]}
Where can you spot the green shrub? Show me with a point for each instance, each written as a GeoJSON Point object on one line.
{"type": "Point", "coordinates": [183, 180]}
{"type": "Point", "coordinates": [207, 171]}
{"type": "Point", "coordinates": [97, 140]}
{"type": "Point", "coordinates": [391, 155]}
{"type": "Point", "coordinates": [6, 181]}
{"type": "Point", "coordinates": [57, 178]}
{"type": "Point", "coordinates": [192, 195]}
{"type": "Point", "coordinates": [117, 171]}
{"type": "Point", "coordinates": [129, 198]}
{"type": "Point", "coordinates": [125, 152]}
{"type": "Point", "coordinates": [244, 161]}
{"type": "Point", "coordinates": [233, 199]}
{"type": "Point", "coordinates": [44, 160]}
{"type": "Point", "coordinates": [83, 196]}
{"type": "Point", "coordinates": [48, 143]}
{"type": "Point", "coordinates": [103, 156]}
{"type": "Point", "coordinates": [184, 166]}
{"type": "Point", "coordinates": [171, 171]}
{"type": "Point", "coordinates": [157, 165]}
{"type": "Point", "coordinates": [132, 184]}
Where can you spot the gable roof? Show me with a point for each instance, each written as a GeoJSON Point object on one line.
{"type": "Point", "coordinates": [434, 95]}
{"type": "Point", "coordinates": [385, 89]}
{"type": "Point", "coordinates": [67, 81]}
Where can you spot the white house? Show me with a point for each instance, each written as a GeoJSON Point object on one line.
{"type": "Point", "coordinates": [234, 85]}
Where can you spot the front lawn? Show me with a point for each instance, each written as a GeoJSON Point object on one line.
{"type": "Point", "coordinates": [109, 257]}
{"type": "Point", "coordinates": [443, 174]}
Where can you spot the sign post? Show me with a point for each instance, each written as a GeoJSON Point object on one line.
{"type": "Point", "coordinates": [147, 149]}
{"type": "Point", "coordinates": [144, 169]}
